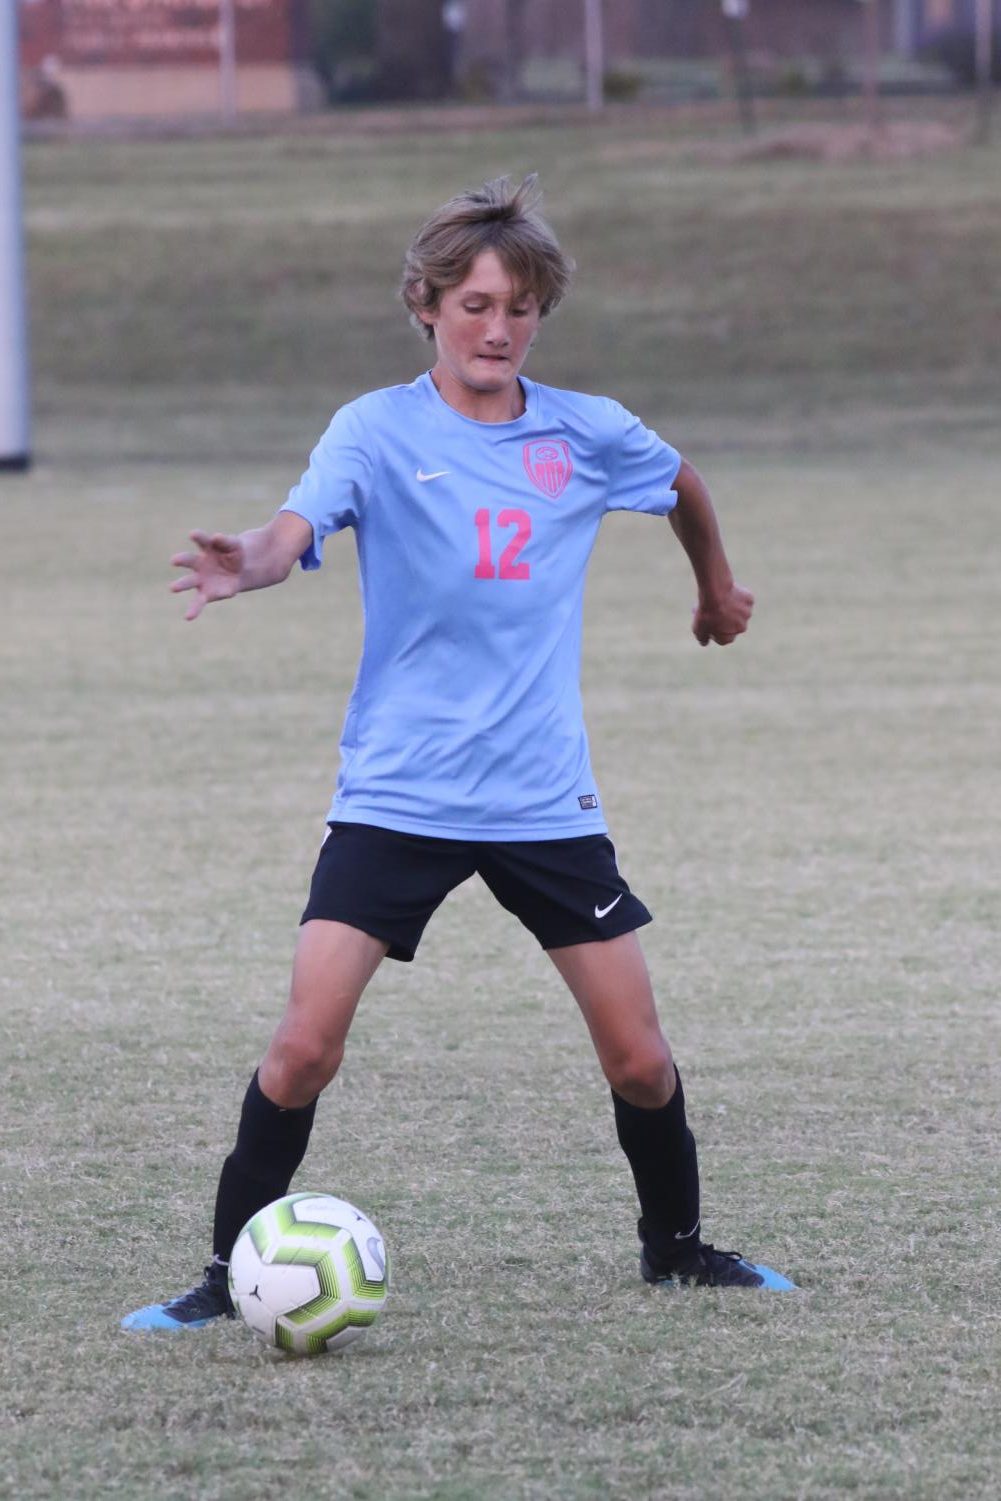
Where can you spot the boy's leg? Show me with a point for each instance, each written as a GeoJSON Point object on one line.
{"type": "Point", "coordinates": [333, 964]}
{"type": "Point", "coordinates": [611, 984]}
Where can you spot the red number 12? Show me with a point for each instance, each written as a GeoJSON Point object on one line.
{"type": "Point", "coordinates": [509, 569]}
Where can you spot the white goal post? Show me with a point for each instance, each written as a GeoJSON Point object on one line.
{"type": "Point", "coordinates": [14, 417]}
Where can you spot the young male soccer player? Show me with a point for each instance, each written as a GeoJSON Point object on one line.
{"type": "Point", "coordinates": [475, 496]}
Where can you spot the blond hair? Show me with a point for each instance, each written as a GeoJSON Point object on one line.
{"type": "Point", "coordinates": [496, 217]}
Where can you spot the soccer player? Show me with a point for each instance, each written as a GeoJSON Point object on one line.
{"type": "Point", "coordinates": [475, 496]}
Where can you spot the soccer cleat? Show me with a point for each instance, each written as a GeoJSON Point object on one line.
{"type": "Point", "coordinates": [209, 1300]}
{"type": "Point", "coordinates": [703, 1266]}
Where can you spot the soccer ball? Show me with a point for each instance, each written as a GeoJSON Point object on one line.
{"type": "Point", "coordinates": [308, 1273]}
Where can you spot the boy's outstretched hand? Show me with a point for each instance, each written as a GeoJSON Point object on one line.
{"type": "Point", "coordinates": [215, 570]}
{"type": "Point", "coordinates": [723, 620]}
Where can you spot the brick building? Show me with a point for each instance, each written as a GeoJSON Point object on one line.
{"type": "Point", "coordinates": [161, 57]}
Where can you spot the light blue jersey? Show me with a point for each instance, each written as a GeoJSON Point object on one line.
{"type": "Point", "coordinates": [473, 541]}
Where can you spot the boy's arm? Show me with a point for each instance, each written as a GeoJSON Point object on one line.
{"type": "Point", "coordinates": [724, 607]}
{"type": "Point", "coordinates": [228, 565]}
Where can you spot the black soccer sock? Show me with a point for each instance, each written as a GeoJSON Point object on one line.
{"type": "Point", "coordinates": [661, 1152]}
{"type": "Point", "coordinates": [270, 1144]}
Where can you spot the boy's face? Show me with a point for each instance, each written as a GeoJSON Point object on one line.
{"type": "Point", "coordinates": [484, 327]}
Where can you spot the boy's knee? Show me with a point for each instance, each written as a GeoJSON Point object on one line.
{"type": "Point", "coordinates": [644, 1077]}
{"type": "Point", "coordinates": [298, 1066]}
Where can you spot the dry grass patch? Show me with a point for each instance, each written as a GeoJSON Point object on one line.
{"type": "Point", "coordinates": [894, 141]}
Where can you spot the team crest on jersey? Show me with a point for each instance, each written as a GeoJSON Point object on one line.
{"type": "Point", "coordinates": [548, 465]}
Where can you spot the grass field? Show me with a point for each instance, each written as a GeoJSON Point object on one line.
{"type": "Point", "coordinates": [812, 815]}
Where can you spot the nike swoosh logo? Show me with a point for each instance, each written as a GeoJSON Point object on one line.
{"type": "Point", "coordinates": [688, 1233]}
{"type": "Point", "coordinates": [423, 478]}
{"type": "Point", "coordinates": [604, 911]}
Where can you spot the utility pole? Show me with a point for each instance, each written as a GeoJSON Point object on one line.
{"type": "Point", "coordinates": [870, 70]}
{"type": "Point", "coordinates": [984, 58]}
{"type": "Point", "coordinates": [594, 54]}
{"type": "Point", "coordinates": [734, 20]}
{"type": "Point", "coordinates": [227, 59]}
{"type": "Point", "coordinates": [14, 414]}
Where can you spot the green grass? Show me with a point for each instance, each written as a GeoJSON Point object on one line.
{"type": "Point", "coordinates": [812, 816]}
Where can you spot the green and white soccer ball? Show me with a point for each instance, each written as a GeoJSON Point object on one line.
{"type": "Point", "coordinates": [309, 1273]}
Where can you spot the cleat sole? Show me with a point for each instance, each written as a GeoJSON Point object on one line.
{"type": "Point", "coordinates": [155, 1317]}
{"type": "Point", "coordinates": [774, 1281]}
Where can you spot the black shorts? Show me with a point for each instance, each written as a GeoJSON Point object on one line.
{"type": "Point", "coordinates": [388, 884]}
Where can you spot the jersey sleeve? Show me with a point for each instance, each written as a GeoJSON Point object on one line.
{"type": "Point", "coordinates": [642, 468]}
{"type": "Point", "coordinates": [333, 492]}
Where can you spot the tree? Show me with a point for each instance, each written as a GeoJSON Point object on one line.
{"type": "Point", "coordinates": [344, 43]}
{"type": "Point", "coordinates": [413, 49]}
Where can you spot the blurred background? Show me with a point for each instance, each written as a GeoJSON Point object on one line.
{"type": "Point", "coordinates": [91, 59]}
{"type": "Point", "coordinates": [792, 197]}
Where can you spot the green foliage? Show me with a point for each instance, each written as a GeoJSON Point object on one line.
{"type": "Point", "coordinates": [622, 85]}
{"type": "Point", "coordinates": [344, 34]}
{"type": "Point", "coordinates": [479, 82]}
{"type": "Point", "coordinates": [792, 80]}
{"type": "Point", "coordinates": [346, 28]}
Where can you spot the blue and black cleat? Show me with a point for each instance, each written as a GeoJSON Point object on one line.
{"type": "Point", "coordinates": [702, 1265]}
{"type": "Point", "coordinates": [193, 1310]}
